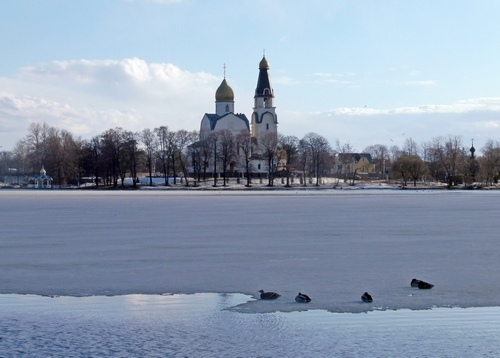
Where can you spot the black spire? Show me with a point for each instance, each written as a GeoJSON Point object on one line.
{"type": "Point", "coordinates": [264, 88]}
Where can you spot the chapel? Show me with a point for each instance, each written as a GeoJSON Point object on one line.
{"type": "Point", "coordinates": [264, 121]}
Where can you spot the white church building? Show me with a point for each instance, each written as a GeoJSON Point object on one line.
{"type": "Point", "coordinates": [264, 121]}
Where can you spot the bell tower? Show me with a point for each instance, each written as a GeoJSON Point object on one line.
{"type": "Point", "coordinates": [264, 119]}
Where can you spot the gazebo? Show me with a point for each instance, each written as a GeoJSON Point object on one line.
{"type": "Point", "coordinates": [43, 180]}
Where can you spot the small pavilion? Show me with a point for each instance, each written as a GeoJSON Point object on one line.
{"type": "Point", "coordinates": [43, 181]}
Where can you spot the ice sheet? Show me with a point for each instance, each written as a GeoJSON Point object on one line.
{"type": "Point", "coordinates": [331, 245]}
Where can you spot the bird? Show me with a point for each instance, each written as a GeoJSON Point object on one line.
{"type": "Point", "coordinates": [425, 285]}
{"type": "Point", "coordinates": [268, 295]}
{"type": "Point", "coordinates": [414, 282]}
{"type": "Point", "coordinates": [421, 284]}
{"type": "Point", "coordinates": [302, 298]}
{"type": "Point", "coordinates": [366, 297]}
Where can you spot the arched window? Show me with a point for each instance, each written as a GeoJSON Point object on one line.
{"type": "Point", "coordinates": [227, 108]}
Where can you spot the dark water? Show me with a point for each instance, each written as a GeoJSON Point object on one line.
{"type": "Point", "coordinates": [209, 325]}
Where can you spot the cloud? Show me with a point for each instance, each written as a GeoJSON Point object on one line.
{"type": "Point", "coordinates": [486, 104]}
{"type": "Point", "coordinates": [473, 118]}
{"type": "Point", "coordinates": [134, 73]}
{"type": "Point", "coordinates": [285, 80]}
{"type": "Point", "coordinates": [337, 78]}
{"type": "Point", "coordinates": [17, 112]}
{"type": "Point", "coordinates": [87, 97]}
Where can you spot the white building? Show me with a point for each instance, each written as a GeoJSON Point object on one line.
{"type": "Point", "coordinates": [224, 116]}
{"type": "Point", "coordinates": [264, 124]}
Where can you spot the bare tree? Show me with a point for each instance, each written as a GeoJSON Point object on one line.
{"type": "Point", "coordinates": [431, 158]}
{"type": "Point", "coordinates": [194, 153]}
{"type": "Point", "coordinates": [289, 145]}
{"type": "Point", "coordinates": [401, 169]}
{"type": "Point", "coordinates": [409, 167]}
{"type": "Point", "coordinates": [55, 155]}
{"type": "Point", "coordinates": [395, 152]}
{"type": "Point", "coordinates": [150, 142]}
{"type": "Point", "coordinates": [227, 151]}
{"type": "Point", "coordinates": [345, 155]}
{"type": "Point", "coordinates": [165, 146]}
{"type": "Point", "coordinates": [490, 162]}
{"type": "Point", "coordinates": [36, 141]}
{"type": "Point", "coordinates": [131, 155]}
{"type": "Point", "coordinates": [268, 144]}
{"type": "Point", "coordinates": [304, 160]}
{"type": "Point", "coordinates": [8, 164]}
{"type": "Point", "coordinates": [112, 151]}
{"type": "Point", "coordinates": [79, 152]}
{"type": "Point", "coordinates": [244, 143]}
{"type": "Point", "coordinates": [21, 155]}
{"type": "Point", "coordinates": [320, 150]}
{"type": "Point", "coordinates": [380, 156]}
{"type": "Point", "coordinates": [183, 139]}
{"type": "Point", "coordinates": [449, 153]}
{"type": "Point", "coordinates": [61, 157]}
{"type": "Point", "coordinates": [206, 152]}
{"type": "Point", "coordinates": [410, 147]}
{"type": "Point", "coordinates": [93, 149]}
{"type": "Point", "coordinates": [50, 147]}
{"type": "Point", "coordinates": [213, 140]}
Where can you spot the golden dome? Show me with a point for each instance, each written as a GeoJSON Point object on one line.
{"type": "Point", "coordinates": [264, 65]}
{"type": "Point", "coordinates": [224, 93]}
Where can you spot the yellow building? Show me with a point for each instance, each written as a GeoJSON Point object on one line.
{"type": "Point", "coordinates": [350, 164]}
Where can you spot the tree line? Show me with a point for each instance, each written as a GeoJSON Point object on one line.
{"type": "Point", "coordinates": [116, 154]}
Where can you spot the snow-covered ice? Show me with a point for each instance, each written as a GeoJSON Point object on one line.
{"type": "Point", "coordinates": [332, 245]}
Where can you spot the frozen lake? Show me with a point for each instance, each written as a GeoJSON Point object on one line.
{"type": "Point", "coordinates": [184, 269]}
{"type": "Point", "coordinates": [200, 325]}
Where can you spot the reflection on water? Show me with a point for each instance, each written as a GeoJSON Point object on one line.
{"type": "Point", "coordinates": [204, 325]}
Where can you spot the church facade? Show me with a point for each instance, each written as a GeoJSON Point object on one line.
{"type": "Point", "coordinates": [263, 127]}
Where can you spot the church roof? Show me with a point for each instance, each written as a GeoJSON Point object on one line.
{"type": "Point", "coordinates": [43, 175]}
{"type": "Point", "coordinates": [356, 156]}
{"type": "Point", "coordinates": [214, 118]}
{"type": "Point", "coordinates": [224, 93]}
{"type": "Point", "coordinates": [264, 65]}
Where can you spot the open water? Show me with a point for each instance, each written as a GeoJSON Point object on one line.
{"type": "Point", "coordinates": [210, 325]}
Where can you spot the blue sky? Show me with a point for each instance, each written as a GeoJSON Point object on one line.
{"type": "Point", "coordinates": [362, 72]}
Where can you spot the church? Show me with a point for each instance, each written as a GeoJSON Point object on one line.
{"type": "Point", "coordinates": [263, 124]}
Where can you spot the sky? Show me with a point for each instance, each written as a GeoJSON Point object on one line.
{"type": "Point", "coordinates": [358, 72]}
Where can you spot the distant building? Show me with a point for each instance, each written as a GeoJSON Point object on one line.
{"type": "Point", "coordinates": [224, 116]}
{"type": "Point", "coordinates": [43, 181]}
{"type": "Point", "coordinates": [263, 125]}
{"type": "Point", "coordinates": [348, 164]}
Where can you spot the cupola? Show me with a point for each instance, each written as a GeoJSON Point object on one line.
{"type": "Point", "coordinates": [224, 93]}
